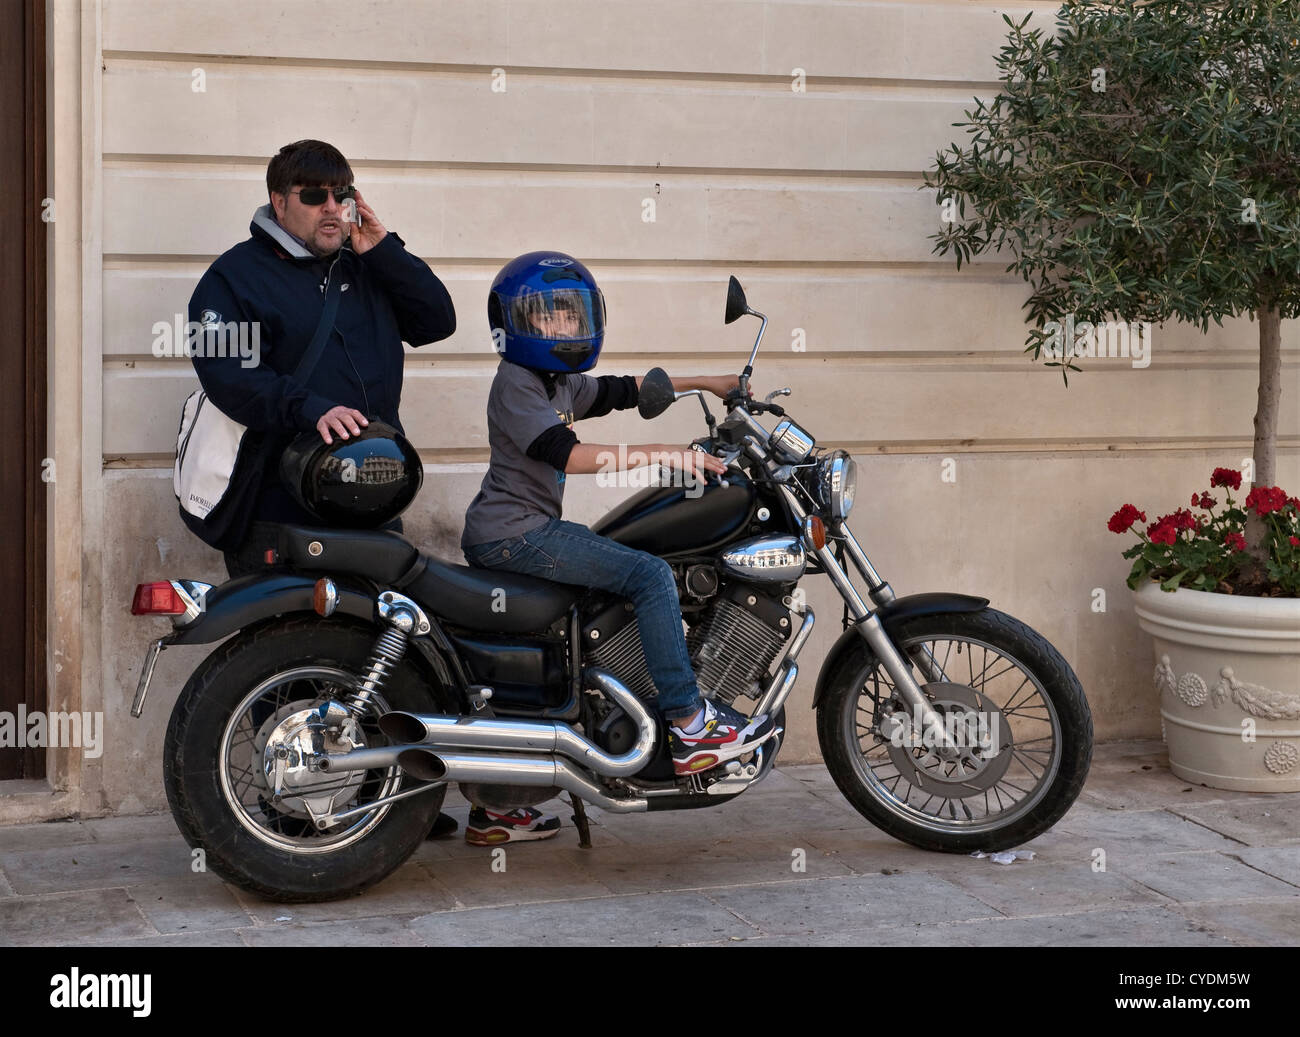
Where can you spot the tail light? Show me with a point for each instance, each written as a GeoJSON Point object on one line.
{"type": "Point", "coordinates": [171, 598]}
{"type": "Point", "coordinates": [157, 599]}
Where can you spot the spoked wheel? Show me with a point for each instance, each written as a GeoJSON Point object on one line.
{"type": "Point", "coordinates": [242, 763]}
{"type": "Point", "coordinates": [1019, 725]}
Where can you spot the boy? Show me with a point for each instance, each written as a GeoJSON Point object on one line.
{"type": "Point", "coordinates": [547, 318]}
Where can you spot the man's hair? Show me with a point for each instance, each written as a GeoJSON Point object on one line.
{"type": "Point", "coordinates": [311, 163]}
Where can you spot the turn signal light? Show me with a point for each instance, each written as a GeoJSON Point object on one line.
{"type": "Point", "coordinates": [816, 532]}
{"type": "Point", "coordinates": [157, 599]}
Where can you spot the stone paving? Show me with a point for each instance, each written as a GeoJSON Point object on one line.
{"type": "Point", "coordinates": [789, 863]}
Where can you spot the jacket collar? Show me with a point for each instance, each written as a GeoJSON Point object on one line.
{"type": "Point", "coordinates": [266, 227]}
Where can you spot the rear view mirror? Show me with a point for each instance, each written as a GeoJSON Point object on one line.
{"type": "Point", "coordinates": [656, 394]}
{"type": "Point", "coordinates": [737, 307]}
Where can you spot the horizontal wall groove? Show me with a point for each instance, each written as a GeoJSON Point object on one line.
{"type": "Point", "coordinates": [741, 81]}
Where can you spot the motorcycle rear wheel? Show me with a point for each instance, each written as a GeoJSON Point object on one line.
{"type": "Point", "coordinates": [1016, 787]}
{"type": "Point", "coordinates": [224, 804]}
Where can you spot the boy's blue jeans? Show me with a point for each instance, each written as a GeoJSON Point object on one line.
{"type": "Point", "coordinates": [567, 552]}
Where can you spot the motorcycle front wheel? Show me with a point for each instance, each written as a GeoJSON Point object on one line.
{"type": "Point", "coordinates": [236, 763]}
{"type": "Point", "coordinates": [1006, 697]}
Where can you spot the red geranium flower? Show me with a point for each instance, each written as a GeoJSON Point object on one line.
{"type": "Point", "coordinates": [1226, 477]}
{"type": "Point", "coordinates": [1203, 501]}
{"type": "Point", "coordinates": [1162, 531]}
{"type": "Point", "coordinates": [1124, 518]}
{"type": "Point", "coordinates": [1293, 541]}
{"type": "Point", "coordinates": [1235, 541]}
{"type": "Point", "coordinates": [1265, 499]}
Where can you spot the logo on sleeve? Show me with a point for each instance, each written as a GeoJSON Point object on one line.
{"type": "Point", "coordinates": [210, 320]}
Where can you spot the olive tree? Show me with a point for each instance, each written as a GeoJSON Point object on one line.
{"type": "Point", "coordinates": [1142, 163]}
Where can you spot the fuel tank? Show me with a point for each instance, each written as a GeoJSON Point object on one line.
{"type": "Point", "coordinates": [668, 520]}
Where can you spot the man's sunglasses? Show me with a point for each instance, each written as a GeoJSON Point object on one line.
{"type": "Point", "coordinates": [317, 195]}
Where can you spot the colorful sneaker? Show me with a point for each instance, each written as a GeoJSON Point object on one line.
{"type": "Point", "coordinates": [726, 735]}
{"type": "Point", "coordinates": [488, 828]}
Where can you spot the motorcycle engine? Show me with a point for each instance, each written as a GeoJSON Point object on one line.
{"type": "Point", "coordinates": [736, 631]}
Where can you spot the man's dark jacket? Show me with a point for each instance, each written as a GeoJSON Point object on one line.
{"type": "Point", "coordinates": [388, 296]}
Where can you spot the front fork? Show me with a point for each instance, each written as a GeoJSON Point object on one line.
{"type": "Point", "coordinates": [868, 624]}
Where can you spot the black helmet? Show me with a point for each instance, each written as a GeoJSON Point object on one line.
{"type": "Point", "coordinates": [362, 481]}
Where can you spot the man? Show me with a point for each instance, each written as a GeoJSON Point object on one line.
{"type": "Point", "coordinates": [307, 234]}
{"type": "Point", "coordinates": [276, 281]}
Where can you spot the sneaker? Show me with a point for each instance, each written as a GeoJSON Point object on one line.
{"type": "Point", "coordinates": [488, 828]}
{"type": "Point", "coordinates": [726, 735]}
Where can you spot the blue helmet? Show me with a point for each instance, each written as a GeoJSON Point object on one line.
{"type": "Point", "coordinates": [546, 313]}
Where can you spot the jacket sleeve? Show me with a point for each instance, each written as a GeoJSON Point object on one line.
{"type": "Point", "coordinates": [237, 379]}
{"type": "Point", "coordinates": [420, 301]}
{"type": "Point", "coordinates": [596, 397]}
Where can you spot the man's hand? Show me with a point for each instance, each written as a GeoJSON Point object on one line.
{"type": "Point", "coordinates": [341, 420]}
{"type": "Point", "coordinates": [370, 233]}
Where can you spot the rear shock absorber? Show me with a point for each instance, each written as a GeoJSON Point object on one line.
{"type": "Point", "coordinates": [404, 618]}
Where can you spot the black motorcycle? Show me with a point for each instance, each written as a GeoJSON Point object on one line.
{"type": "Point", "coordinates": [309, 754]}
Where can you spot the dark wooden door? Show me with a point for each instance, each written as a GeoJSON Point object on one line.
{"type": "Point", "coordinates": [23, 447]}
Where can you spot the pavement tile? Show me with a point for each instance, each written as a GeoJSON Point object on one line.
{"type": "Point", "coordinates": [70, 918]}
{"type": "Point", "coordinates": [391, 931]}
{"type": "Point", "coordinates": [850, 904]}
{"type": "Point", "coordinates": [652, 919]}
{"type": "Point", "coordinates": [1036, 887]}
{"type": "Point", "coordinates": [1260, 821]}
{"type": "Point", "coordinates": [526, 879]}
{"type": "Point", "coordinates": [1132, 832]}
{"type": "Point", "coordinates": [16, 838]}
{"type": "Point", "coordinates": [409, 890]}
{"type": "Point", "coordinates": [1151, 927]}
{"type": "Point", "coordinates": [1192, 877]}
{"type": "Point", "coordinates": [1282, 862]}
{"type": "Point", "coordinates": [193, 904]}
{"type": "Point", "coordinates": [6, 890]}
{"type": "Point", "coordinates": [1257, 923]}
{"type": "Point", "coordinates": [131, 829]}
{"type": "Point", "coordinates": [96, 865]}
{"type": "Point", "coordinates": [694, 873]}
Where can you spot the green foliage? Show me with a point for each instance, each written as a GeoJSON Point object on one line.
{"type": "Point", "coordinates": [1171, 193]}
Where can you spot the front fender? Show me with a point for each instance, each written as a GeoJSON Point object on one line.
{"type": "Point", "coordinates": [249, 599]}
{"type": "Point", "coordinates": [891, 615]}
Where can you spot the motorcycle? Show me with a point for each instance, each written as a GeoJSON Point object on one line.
{"type": "Point", "coordinates": [310, 752]}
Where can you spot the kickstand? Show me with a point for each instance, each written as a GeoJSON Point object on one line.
{"type": "Point", "coordinates": [580, 822]}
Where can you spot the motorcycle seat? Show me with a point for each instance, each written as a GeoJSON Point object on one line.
{"type": "Point", "coordinates": [491, 600]}
{"type": "Point", "coordinates": [375, 554]}
{"type": "Point", "coordinates": [477, 599]}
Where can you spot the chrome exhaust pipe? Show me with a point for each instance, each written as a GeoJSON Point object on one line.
{"type": "Point", "coordinates": [429, 764]}
{"type": "Point", "coordinates": [364, 759]}
{"type": "Point", "coordinates": [550, 738]}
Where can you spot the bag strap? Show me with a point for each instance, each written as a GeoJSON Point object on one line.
{"type": "Point", "coordinates": [308, 362]}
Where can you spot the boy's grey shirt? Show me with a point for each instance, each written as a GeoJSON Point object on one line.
{"type": "Point", "coordinates": [519, 494]}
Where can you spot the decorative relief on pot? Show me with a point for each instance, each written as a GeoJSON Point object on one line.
{"type": "Point", "coordinates": [1164, 677]}
{"type": "Point", "coordinates": [1255, 699]}
{"type": "Point", "coordinates": [1281, 757]}
{"type": "Point", "coordinates": [1192, 689]}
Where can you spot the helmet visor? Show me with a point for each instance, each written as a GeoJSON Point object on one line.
{"type": "Point", "coordinates": [557, 314]}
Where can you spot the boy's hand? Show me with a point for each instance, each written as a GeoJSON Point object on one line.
{"type": "Point", "coordinates": [721, 384]}
{"type": "Point", "coordinates": [696, 462]}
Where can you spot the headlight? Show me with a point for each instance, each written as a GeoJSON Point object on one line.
{"type": "Point", "coordinates": [839, 482]}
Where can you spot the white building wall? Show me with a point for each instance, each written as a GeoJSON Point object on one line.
{"type": "Point", "coordinates": [809, 196]}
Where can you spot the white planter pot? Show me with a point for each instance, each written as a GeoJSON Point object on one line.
{"type": "Point", "coordinates": [1228, 674]}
